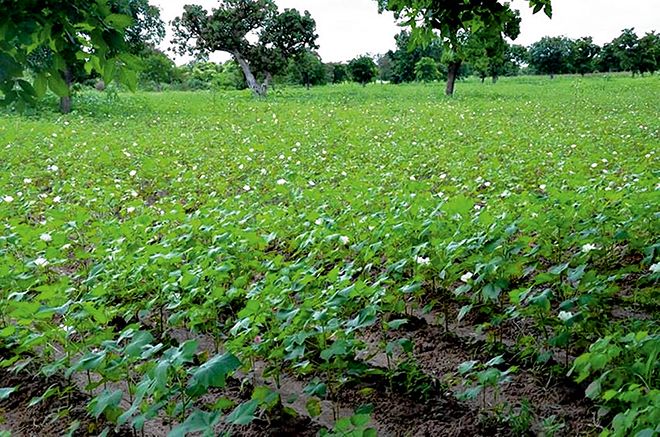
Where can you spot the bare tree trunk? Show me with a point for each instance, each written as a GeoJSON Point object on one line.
{"type": "Point", "coordinates": [452, 74]}
{"type": "Point", "coordinates": [255, 86]}
{"type": "Point", "coordinates": [65, 102]}
{"type": "Point", "coordinates": [267, 81]}
{"type": "Point", "coordinates": [495, 77]}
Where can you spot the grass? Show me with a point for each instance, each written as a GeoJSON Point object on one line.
{"type": "Point", "coordinates": [285, 229]}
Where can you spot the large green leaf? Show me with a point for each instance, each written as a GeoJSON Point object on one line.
{"type": "Point", "coordinates": [213, 373]}
{"type": "Point", "coordinates": [58, 85]}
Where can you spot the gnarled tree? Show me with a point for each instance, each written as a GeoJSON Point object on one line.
{"type": "Point", "coordinates": [261, 39]}
{"type": "Point", "coordinates": [450, 20]}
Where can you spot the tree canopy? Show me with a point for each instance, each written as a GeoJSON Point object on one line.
{"type": "Point", "coordinates": [92, 33]}
{"type": "Point", "coordinates": [274, 37]}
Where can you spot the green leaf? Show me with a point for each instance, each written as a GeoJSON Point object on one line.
{"type": "Point", "coordinates": [213, 373]}
{"type": "Point", "coordinates": [198, 421]}
{"type": "Point", "coordinates": [464, 312]}
{"type": "Point", "coordinates": [313, 407]}
{"type": "Point", "coordinates": [593, 390]}
{"type": "Point", "coordinates": [57, 84]}
{"type": "Point", "coordinates": [244, 413]}
{"type": "Point", "coordinates": [466, 366]}
{"type": "Point", "coordinates": [119, 21]}
{"type": "Point", "coordinates": [5, 392]}
{"type": "Point", "coordinates": [105, 401]}
{"type": "Point", "coordinates": [339, 347]}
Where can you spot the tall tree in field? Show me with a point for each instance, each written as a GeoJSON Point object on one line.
{"type": "Point", "coordinates": [363, 70]}
{"type": "Point", "coordinates": [62, 34]}
{"type": "Point", "coordinates": [626, 48]}
{"type": "Point", "coordinates": [426, 70]}
{"type": "Point", "coordinates": [584, 54]}
{"type": "Point", "coordinates": [551, 55]}
{"type": "Point", "coordinates": [260, 39]}
{"type": "Point", "coordinates": [450, 19]}
{"type": "Point", "coordinates": [649, 53]}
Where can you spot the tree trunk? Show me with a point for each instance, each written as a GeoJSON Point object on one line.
{"type": "Point", "coordinates": [552, 75]}
{"type": "Point", "coordinates": [495, 77]}
{"type": "Point", "coordinates": [65, 102]}
{"type": "Point", "coordinates": [452, 74]}
{"type": "Point", "coordinates": [483, 79]}
{"type": "Point", "coordinates": [255, 86]}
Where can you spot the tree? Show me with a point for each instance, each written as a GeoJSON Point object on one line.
{"type": "Point", "coordinates": [363, 70]}
{"type": "Point", "coordinates": [426, 70]}
{"type": "Point", "coordinates": [584, 53]}
{"type": "Point", "coordinates": [385, 65]}
{"type": "Point", "coordinates": [274, 37]}
{"type": "Point", "coordinates": [626, 50]}
{"type": "Point", "coordinates": [449, 20]}
{"type": "Point", "coordinates": [147, 29]}
{"type": "Point", "coordinates": [649, 53]}
{"type": "Point", "coordinates": [337, 73]}
{"type": "Point", "coordinates": [308, 70]}
{"type": "Point", "coordinates": [607, 60]}
{"type": "Point", "coordinates": [157, 69]}
{"type": "Point", "coordinates": [61, 34]}
{"type": "Point", "coordinates": [407, 55]}
{"type": "Point", "coordinates": [551, 55]}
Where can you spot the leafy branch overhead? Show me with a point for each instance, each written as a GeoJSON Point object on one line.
{"type": "Point", "coordinates": [233, 28]}
{"type": "Point", "coordinates": [87, 31]}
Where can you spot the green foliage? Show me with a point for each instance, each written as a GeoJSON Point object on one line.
{"type": "Point", "coordinates": [624, 371]}
{"type": "Point", "coordinates": [426, 70]}
{"type": "Point", "coordinates": [281, 236]}
{"type": "Point", "coordinates": [362, 70]}
{"type": "Point", "coordinates": [551, 55]}
{"type": "Point", "coordinates": [78, 31]}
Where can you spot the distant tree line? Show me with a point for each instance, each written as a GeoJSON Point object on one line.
{"type": "Point", "coordinates": [481, 58]}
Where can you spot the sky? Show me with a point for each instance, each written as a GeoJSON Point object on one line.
{"type": "Point", "coordinates": [349, 28]}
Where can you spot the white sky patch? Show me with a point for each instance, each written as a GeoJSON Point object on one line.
{"type": "Point", "coordinates": [349, 28]}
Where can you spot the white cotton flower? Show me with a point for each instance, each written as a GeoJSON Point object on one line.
{"type": "Point", "coordinates": [573, 146]}
{"type": "Point", "coordinates": [281, 157]}
{"type": "Point", "coordinates": [542, 187]}
{"type": "Point", "coordinates": [263, 171]}
{"type": "Point", "coordinates": [565, 315]}
{"type": "Point", "coordinates": [412, 177]}
{"type": "Point", "coordinates": [132, 173]}
{"type": "Point", "coordinates": [67, 246]}
{"type": "Point", "coordinates": [423, 261]}
{"type": "Point", "coordinates": [46, 237]}
{"type": "Point", "coordinates": [134, 193]}
{"type": "Point", "coordinates": [8, 199]}
{"type": "Point", "coordinates": [589, 247]}
{"type": "Point", "coordinates": [318, 221]}
{"type": "Point", "coordinates": [312, 183]}
{"type": "Point", "coordinates": [27, 181]}
{"type": "Point", "coordinates": [41, 262]}
{"type": "Point", "coordinates": [130, 209]}
{"type": "Point", "coordinates": [57, 199]}
{"type": "Point", "coordinates": [246, 187]}
{"type": "Point", "coordinates": [467, 276]}
{"type": "Point", "coordinates": [281, 181]}
{"type": "Point", "coordinates": [443, 176]}
{"type": "Point", "coordinates": [53, 168]}
{"type": "Point", "coordinates": [487, 184]}
{"type": "Point", "coordinates": [655, 268]}
{"type": "Point", "coordinates": [344, 239]}
{"type": "Point", "coordinates": [594, 165]}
